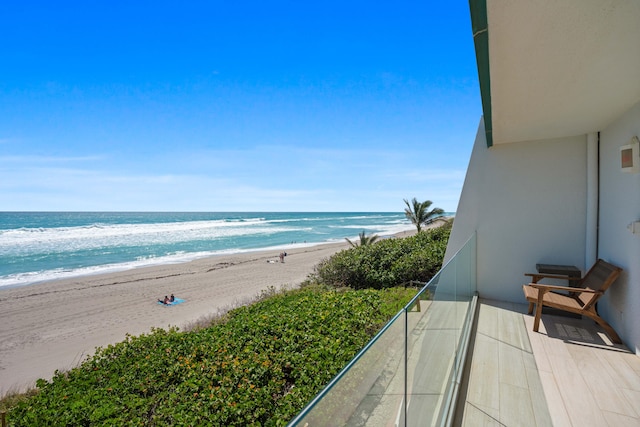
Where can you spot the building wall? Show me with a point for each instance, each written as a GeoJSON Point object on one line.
{"type": "Point", "coordinates": [527, 202]}
{"type": "Point", "coordinates": [620, 205]}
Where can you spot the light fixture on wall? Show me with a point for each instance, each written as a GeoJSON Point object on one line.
{"type": "Point", "coordinates": [634, 227]}
{"type": "Point", "coordinates": [630, 156]}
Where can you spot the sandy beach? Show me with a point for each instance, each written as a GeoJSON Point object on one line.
{"type": "Point", "coordinates": [55, 325]}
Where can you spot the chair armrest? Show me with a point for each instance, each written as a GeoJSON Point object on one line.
{"type": "Point", "coordinates": [551, 276]}
{"type": "Point", "coordinates": [546, 287]}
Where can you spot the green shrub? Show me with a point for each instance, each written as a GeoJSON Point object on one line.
{"type": "Point", "coordinates": [260, 366]}
{"type": "Point", "coordinates": [387, 263]}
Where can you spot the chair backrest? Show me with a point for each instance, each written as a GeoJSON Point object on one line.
{"type": "Point", "coordinates": [599, 278]}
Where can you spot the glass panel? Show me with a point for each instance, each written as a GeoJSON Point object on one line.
{"type": "Point", "coordinates": [431, 381]}
{"type": "Point", "coordinates": [370, 390]}
{"type": "Point", "coordinates": [460, 287]}
{"type": "Point", "coordinates": [407, 375]}
{"type": "Point", "coordinates": [428, 358]}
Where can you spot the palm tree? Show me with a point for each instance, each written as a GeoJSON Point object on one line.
{"type": "Point", "coordinates": [418, 213]}
{"type": "Point", "coordinates": [364, 240]}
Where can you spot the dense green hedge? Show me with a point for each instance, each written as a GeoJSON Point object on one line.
{"type": "Point", "coordinates": [260, 366]}
{"type": "Point", "coordinates": [386, 263]}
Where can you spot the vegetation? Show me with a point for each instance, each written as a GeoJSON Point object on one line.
{"type": "Point", "coordinates": [260, 366]}
{"type": "Point", "coordinates": [419, 214]}
{"type": "Point", "coordinates": [388, 263]}
{"type": "Point", "coordinates": [12, 399]}
{"type": "Point", "coordinates": [364, 240]}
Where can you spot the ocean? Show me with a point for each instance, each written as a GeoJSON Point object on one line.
{"type": "Point", "coordinates": [42, 246]}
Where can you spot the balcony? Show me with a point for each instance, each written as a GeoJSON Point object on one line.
{"type": "Point", "coordinates": [449, 358]}
{"type": "Point", "coordinates": [568, 374]}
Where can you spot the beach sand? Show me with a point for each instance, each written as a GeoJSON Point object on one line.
{"type": "Point", "coordinates": [56, 325]}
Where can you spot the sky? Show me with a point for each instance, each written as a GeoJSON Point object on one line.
{"type": "Point", "coordinates": [235, 105]}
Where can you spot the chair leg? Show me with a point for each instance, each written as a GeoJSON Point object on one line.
{"type": "Point", "coordinates": [536, 321]}
{"type": "Point", "coordinates": [607, 327]}
{"type": "Point", "coordinates": [530, 308]}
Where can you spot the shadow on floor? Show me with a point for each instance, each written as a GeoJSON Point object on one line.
{"type": "Point", "coordinates": [580, 332]}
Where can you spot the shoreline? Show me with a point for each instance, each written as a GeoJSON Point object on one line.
{"type": "Point", "coordinates": [159, 262]}
{"type": "Point", "coordinates": [124, 267]}
{"type": "Point", "coordinates": [56, 325]}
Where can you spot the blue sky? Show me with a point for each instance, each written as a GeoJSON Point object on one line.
{"type": "Point", "coordinates": [235, 105]}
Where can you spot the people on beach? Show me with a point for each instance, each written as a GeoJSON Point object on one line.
{"type": "Point", "coordinates": [170, 300]}
{"type": "Point", "coordinates": [281, 256]}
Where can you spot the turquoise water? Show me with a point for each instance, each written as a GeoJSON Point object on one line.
{"type": "Point", "coordinates": [40, 246]}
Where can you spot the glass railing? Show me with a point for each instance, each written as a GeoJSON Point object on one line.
{"type": "Point", "coordinates": [409, 373]}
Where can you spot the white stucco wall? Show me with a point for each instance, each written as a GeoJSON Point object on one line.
{"type": "Point", "coordinates": [527, 202]}
{"type": "Point", "coordinates": [620, 205]}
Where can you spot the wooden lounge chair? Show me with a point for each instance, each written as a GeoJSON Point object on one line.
{"type": "Point", "coordinates": [580, 299]}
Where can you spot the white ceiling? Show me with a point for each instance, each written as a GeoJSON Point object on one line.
{"type": "Point", "coordinates": [561, 67]}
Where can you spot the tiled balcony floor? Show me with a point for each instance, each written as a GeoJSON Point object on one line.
{"type": "Point", "coordinates": [568, 374]}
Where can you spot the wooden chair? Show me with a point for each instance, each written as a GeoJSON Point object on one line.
{"type": "Point", "coordinates": [580, 299]}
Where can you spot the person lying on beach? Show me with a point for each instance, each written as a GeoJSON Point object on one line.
{"type": "Point", "coordinates": [166, 300]}
{"type": "Point", "coordinates": [172, 298]}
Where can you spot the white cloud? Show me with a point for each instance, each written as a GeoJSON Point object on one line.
{"type": "Point", "coordinates": [255, 179]}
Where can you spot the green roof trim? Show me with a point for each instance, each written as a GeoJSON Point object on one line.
{"type": "Point", "coordinates": [481, 40]}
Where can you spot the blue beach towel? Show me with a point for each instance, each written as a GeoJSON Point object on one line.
{"type": "Point", "coordinates": [175, 302]}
